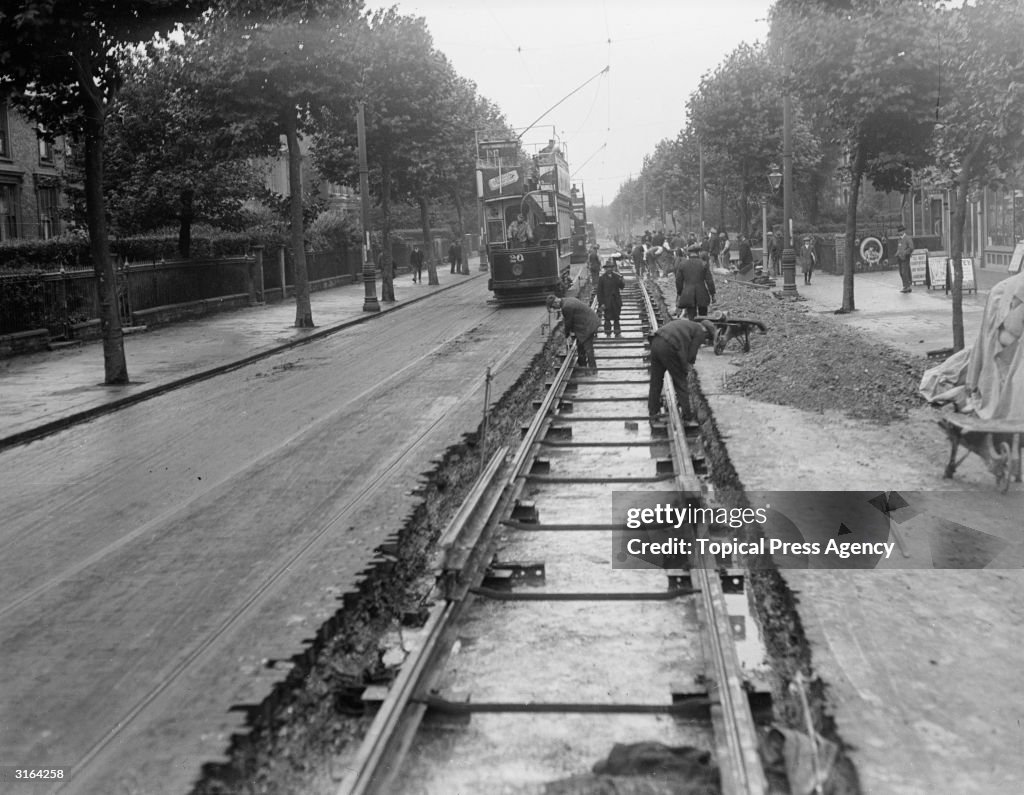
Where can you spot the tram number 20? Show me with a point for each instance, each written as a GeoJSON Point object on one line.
{"type": "Point", "coordinates": [516, 258]}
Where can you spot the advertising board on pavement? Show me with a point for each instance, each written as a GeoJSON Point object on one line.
{"type": "Point", "coordinates": [918, 265]}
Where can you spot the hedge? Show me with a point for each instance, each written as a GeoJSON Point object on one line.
{"type": "Point", "coordinates": [72, 251]}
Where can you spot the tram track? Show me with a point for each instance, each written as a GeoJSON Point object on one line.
{"type": "Point", "coordinates": [526, 597]}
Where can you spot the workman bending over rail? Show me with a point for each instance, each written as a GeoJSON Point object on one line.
{"type": "Point", "coordinates": [674, 349]}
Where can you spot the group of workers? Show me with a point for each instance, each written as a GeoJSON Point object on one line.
{"type": "Point", "coordinates": [674, 345]}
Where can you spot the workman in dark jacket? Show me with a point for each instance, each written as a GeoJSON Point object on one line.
{"type": "Point", "coordinates": [746, 254]}
{"type": "Point", "coordinates": [638, 258]}
{"type": "Point", "coordinates": [674, 349]}
{"type": "Point", "coordinates": [609, 297]}
{"type": "Point", "coordinates": [583, 322]}
{"type": "Point", "coordinates": [695, 286]}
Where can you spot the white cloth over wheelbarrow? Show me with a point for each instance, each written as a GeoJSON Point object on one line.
{"type": "Point", "coordinates": [987, 380]}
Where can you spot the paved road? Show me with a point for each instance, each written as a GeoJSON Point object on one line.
{"type": "Point", "coordinates": [155, 556]}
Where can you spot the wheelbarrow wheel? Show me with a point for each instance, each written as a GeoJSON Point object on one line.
{"type": "Point", "coordinates": [719, 341]}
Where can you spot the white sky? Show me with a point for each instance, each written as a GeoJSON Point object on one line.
{"type": "Point", "coordinates": [526, 55]}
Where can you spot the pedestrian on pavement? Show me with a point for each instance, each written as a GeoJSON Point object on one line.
{"type": "Point", "coordinates": [416, 261]}
{"type": "Point", "coordinates": [609, 297]}
{"type": "Point", "coordinates": [674, 349]}
{"type": "Point", "coordinates": [453, 255]}
{"type": "Point", "coordinates": [594, 264]}
{"type": "Point", "coordinates": [695, 286]}
{"type": "Point", "coordinates": [775, 253]}
{"type": "Point", "coordinates": [806, 259]}
{"type": "Point", "coordinates": [582, 322]}
{"type": "Point", "coordinates": [459, 265]}
{"type": "Point", "coordinates": [904, 247]}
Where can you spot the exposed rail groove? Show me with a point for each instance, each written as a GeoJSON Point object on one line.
{"type": "Point", "coordinates": [507, 489]}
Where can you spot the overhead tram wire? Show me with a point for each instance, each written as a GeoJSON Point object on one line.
{"type": "Point", "coordinates": [519, 50]}
{"type": "Point", "coordinates": [563, 99]}
{"type": "Point", "coordinates": [586, 118]}
{"type": "Point", "coordinates": [599, 149]}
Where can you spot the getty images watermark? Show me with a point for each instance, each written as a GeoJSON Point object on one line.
{"type": "Point", "coordinates": [810, 530]}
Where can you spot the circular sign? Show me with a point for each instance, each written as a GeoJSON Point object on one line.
{"type": "Point", "coordinates": [871, 250]}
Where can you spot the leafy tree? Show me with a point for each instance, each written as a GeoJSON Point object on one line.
{"type": "Point", "coordinates": [737, 113]}
{"type": "Point", "coordinates": [876, 84]}
{"type": "Point", "coordinates": [270, 70]}
{"type": "Point", "coordinates": [61, 65]}
{"type": "Point", "coordinates": [402, 79]}
{"type": "Point", "coordinates": [167, 159]}
{"type": "Point", "coordinates": [446, 166]}
{"type": "Point", "coordinates": [980, 136]}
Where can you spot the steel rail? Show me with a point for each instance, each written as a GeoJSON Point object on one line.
{"type": "Point", "coordinates": [736, 735]}
{"type": "Point", "coordinates": [380, 758]}
{"type": "Point", "coordinates": [392, 731]}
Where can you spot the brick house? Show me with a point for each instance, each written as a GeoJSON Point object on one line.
{"type": "Point", "coordinates": [30, 179]}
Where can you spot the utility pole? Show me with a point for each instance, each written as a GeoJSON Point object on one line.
{"type": "Point", "coordinates": [700, 191]}
{"type": "Point", "coordinates": [370, 303]}
{"type": "Point", "coordinates": [788, 253]}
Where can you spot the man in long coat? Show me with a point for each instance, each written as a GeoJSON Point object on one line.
{"type": "Point", "coordinates": [609, 297]}
{"type": "Point", "coordinates": [695, 286]}
{"type": "Point", "coordinates": [583, 322]}
{"type": "Point", "coordinates": [674, 349]}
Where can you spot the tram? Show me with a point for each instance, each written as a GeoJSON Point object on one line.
{"type": "Point", "coordinates": [528, 219]}
{"type": "Point", "coordinates": [579, 226]}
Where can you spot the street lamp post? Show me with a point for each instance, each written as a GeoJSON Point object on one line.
{"type": "Point", "coordinates": [788, 254]}
{"type": "Point", "coordinates": [370, 303]}
{"type": "Point", "coordinates": [774, 180]}
{"type": "Point", "coordinates": [764, 235]}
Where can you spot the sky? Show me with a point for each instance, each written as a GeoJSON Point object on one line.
{"type": "Point", "coordinates": [527, 55]}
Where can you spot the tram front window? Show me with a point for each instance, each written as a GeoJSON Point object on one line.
{"type": "Point", "coordinates": [519, 232]}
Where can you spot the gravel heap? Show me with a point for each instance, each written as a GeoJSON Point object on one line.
{"type": "Point", "coordinates": [809, 362]}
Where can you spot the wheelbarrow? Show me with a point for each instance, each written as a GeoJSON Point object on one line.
{"type": "Point", "coordinates": [728, 329]}
{"type": "Point", "coordinates": [997, 442]}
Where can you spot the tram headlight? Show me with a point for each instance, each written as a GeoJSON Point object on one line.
{"type": "Point", "coordinates": [517, 269]}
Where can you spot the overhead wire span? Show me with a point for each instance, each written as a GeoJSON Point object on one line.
{"type": "Point", "coordinates": [574, 90]}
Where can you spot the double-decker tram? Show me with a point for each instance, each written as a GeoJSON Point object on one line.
{"type": "Point", "coordinates": [528, 219]}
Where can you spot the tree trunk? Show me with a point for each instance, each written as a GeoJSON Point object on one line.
{"type": "Point", "coordinates": [115, 367]}
{"type": "Point", "coordinates": [856, 174]}
{"type": "Point", "coordinates": [428, 249]}
{"type": "Point", "coordinates": [464, 267]}
{"type": "Point", "coordinates": [743, 208]}
{"type": "Point", "coordinates": [303, 309]}
{"type": "Point", "coordinates": [185, 218]}
{"type": "Point", "coordinates": [387, 265]}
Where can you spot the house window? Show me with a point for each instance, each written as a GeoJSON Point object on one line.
{"type": "Point", "coordinates": [8, 211]}
{"type": "Point", "coordinates": [45, 146]}
{"type": "Point", "coordinates": [48, 218]}
{"type": "Point", "coordinates": [999, 218]}
{"type": "Point", "coordinates": [5, 136]}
